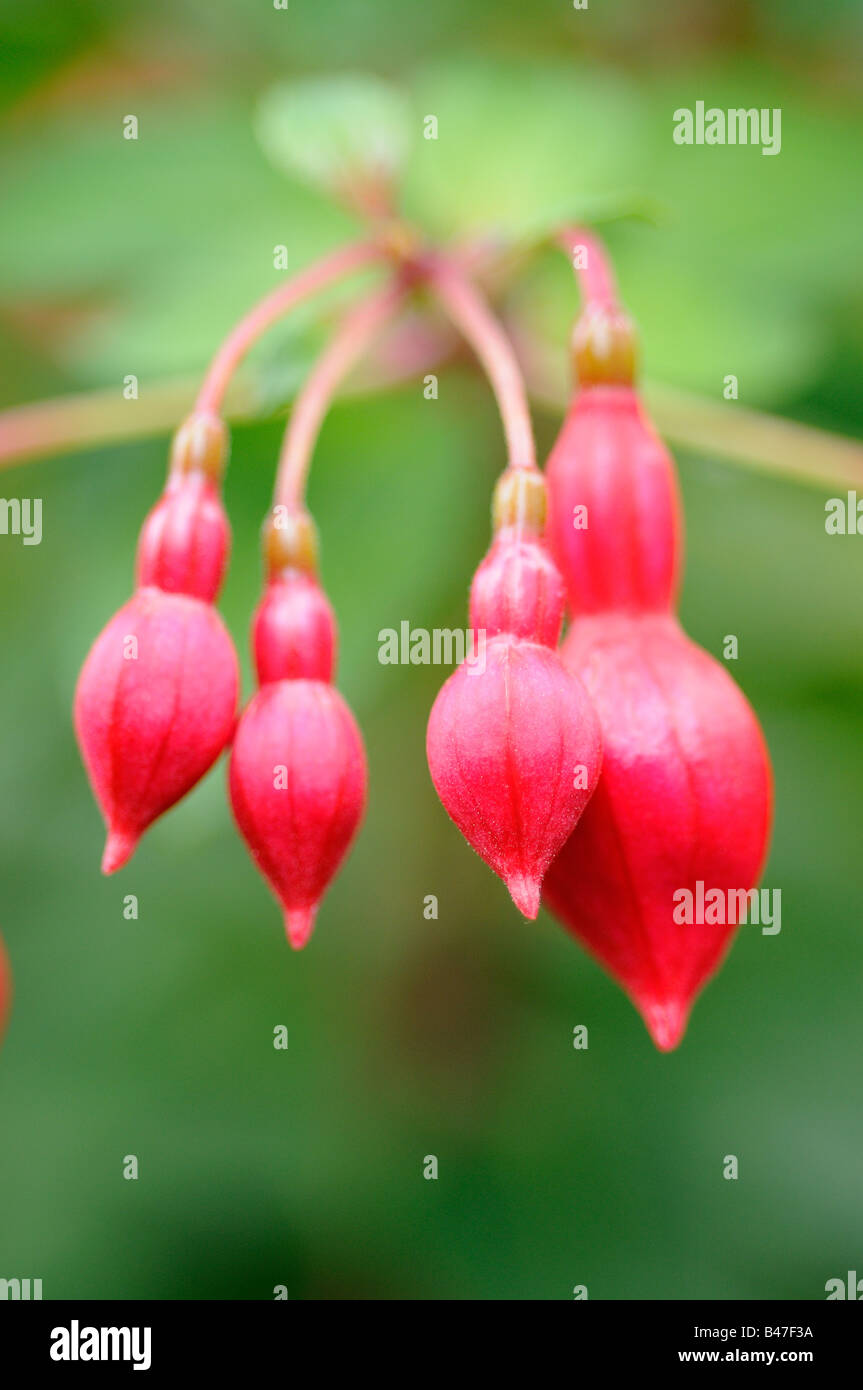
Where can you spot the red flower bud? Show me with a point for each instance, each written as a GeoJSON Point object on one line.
{"type": "Point", "coordinates": [298, 769]}
{"type": "Point", "coordinates": [685, 792]}
{"type": "Point", "coordinates": [154, 708]}
{"type": "Point", "coordinates": [183, 548]}
{"type": "Point", "coordinates": [514, 753]}
{"type": "Point", "coordinates": [294, 631]}
{"type": "Point", "coordinates": [5, 989]}
{"type": "Point", "coordinates": [684, 797]}
{"type": "Point", "coordinates": [157, 695]}
{"type": "Point", "coordinates": [613, 510]}
{"type": "Point", "coordinates": [184, 543]}
{"type": "Point", "coordinates": [517, 590]}
{"type": "Point", "coordinates": [513, 743]}
{"type": "Point", "coordinates": [298, 789]}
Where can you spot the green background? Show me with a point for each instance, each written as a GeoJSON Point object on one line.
{"type": "Point", "coordinates": [409, 1037]}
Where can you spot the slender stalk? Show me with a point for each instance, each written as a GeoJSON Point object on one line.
{"type": "Point", "coordinates": [470, 313]}
{"type": "Point", "coordinates": [88, 420]}
{"type": "Point", "coordinates": [351, 339]}
{"type": "Point", "coordinates": [319, 276]}
{"type": "Point", "coordinates": [751, 439]}
{"type": "Point", "coordinates": [91, 419]}
{"type": "Point", "coordinates": [595, 277]}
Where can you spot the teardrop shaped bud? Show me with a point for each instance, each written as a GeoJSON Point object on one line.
{"type": "Point", "coordinates": [154, 707]}
{"type": "Point", "coordinates": [298, 790]}
{"type": "Point", "coordinates": [684, 803]}
{"type": "Point", "coordinates": [681, 816]}
{"type": "Point", "coordinates": [514, 752]}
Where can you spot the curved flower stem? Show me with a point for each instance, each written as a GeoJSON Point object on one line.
{"type": "Point", "coordinates": [89, 420]}
{"type": "Point", "coordinates": [93, 419]}
{"type": "Point", "coordinates": [596, 277]}
{"type": "Point", "coordinates": [353, 335]}
{"type": "Point", "coordinates": [319, 276]}
{"type": "Point", "coordinates": [470, 313]}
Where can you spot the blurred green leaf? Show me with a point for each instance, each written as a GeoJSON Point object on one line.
{"type": "Point", "coordinates": [520, 144]}
{"type": "Point", "coordinates": [336, 133]}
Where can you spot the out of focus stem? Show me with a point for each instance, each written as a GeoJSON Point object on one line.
{"type": "Point", "coordinates": [752, 439]}
{"type": "Point", "coordinates": [319, 276]}
{"type": "Point", "coordinates": [351, 339]}
{"type": "Point", "coordinates": [469, 311]}
{"type": "Point", "coordinates": [604, 338]}
{"type": "Point", "coordinates": [591, 264]}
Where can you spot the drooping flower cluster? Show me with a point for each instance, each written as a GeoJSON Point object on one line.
{"type": "Point", "coordinates": [609, 776]}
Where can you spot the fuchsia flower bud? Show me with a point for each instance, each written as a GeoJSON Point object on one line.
{"type": "Point", "coordinates": [184, 543]}
{"type": "Point", "coordinates": [613, 507]}
{"type": "Point", "coordinates": [294, 630]}
{"type": "Point", "coordinates": [154, 708]}
{"type": "Point", "coordinates": [298, 769]}
{"type": "Point", "coordinates": [157, 696]}
{"type": "Point", "coordinates": [684, 796]}
{"type": "Point", "coordinates": [513, 744]}
{"type": "Point", "coordinates": [685, 791]}
{"type": "Point", "coordinates": [517, 590]}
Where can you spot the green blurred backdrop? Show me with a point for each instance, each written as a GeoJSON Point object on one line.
{"type": "Point", "coordinates": [409, 1037]}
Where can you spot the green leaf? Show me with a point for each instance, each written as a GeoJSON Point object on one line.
{"type": "Point", "coordinates": [336, 133]}
{"type": "Point", "coordinates": [519, 145]}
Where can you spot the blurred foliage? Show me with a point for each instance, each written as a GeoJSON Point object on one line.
{"type": "Point", "coordinates": [410, 1037]}
{"type": "Point", "coordinates": [332, 130]}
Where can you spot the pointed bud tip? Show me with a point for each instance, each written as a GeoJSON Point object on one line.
{"type": "Point", "coordinates": [119, 848]}
{"type": "Point", "coordinates": [299, 922]}
{"type": "Point", "coordinates": [525, 893]}
{"type": "Point", "coordinates": [666, 1023]}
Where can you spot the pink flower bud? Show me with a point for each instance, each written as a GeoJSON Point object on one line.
{"type": "Point", "coordinates": [513, 743]}
{"type": "Point", "coordinates": [613, 509]}
{"type": "Point", "coordinates": [518, 590]}
{"type": "Point", "coordinates": [185, 540]}
{"type": "Point", "coordinates": [684, 797]}
{"type": "Point", "coordinates": [294, 632]}
{"type": "Point", "coordinates": [514, 753]}
{"type": "Point", "coordinates": [154, 708]}
{"type": "Point", "coordinates": [685, 794]}
{"type": "Point", "coordinates": [298, 790]}
{"type": "Point", "coordinates": [298, 768]}
{"type": "Point", "coordinates": [157, 695]}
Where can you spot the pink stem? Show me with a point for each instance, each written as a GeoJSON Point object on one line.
{"type": "Point", "coordinates": [346, 346]}
{"type": "Point", "coordinates": [315, 277]}
{"type": "Point", "coordinates": [471, 315]}
{"type": "Point", "coordinates": [595, 278]}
